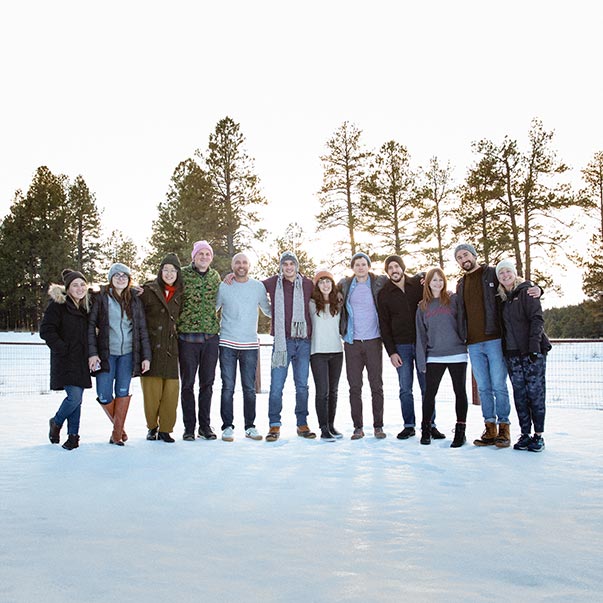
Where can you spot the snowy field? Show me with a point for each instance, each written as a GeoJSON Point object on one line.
{"type": "Point", "coordinates": [297, 520]}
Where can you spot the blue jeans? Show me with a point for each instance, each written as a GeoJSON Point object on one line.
{"type": "Point", "coordinates": [406, 351]}
{"type": "Point", "coordinates": [490, 372]}
{"type": "Point", "coordinates": [248, 361]}
{"type": "Point", "coordinates": [117, 379]}
{"type": "Point", "coordinates": [70, 409]}
{"type": "Point", "coordinates": [298, 354]}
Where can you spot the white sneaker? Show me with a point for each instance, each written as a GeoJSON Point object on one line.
{"type": "Point", "coordinates": [253, 433]}
{"type": "Point", "coordinates": [228, 434]}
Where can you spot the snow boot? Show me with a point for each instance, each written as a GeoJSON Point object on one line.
{"type": "Point", "coordinates": [72, 441]}
{"type": "Point", "coordinates": [436, 434]}
{"type": "Point", "coordinates": [488, 436]}
{"type": "Point", "coordinates": [273, 434]}
{"type": "Point", "coordinates": [119, 418]}
{"type": "Point", "coordinates": [503, 440]}
{"type": "Point", "coordinates": [459, 435]}
{"type": "Point", "coordinates": [109, 409]}
{"type": "Point", "coordinates": [335, 433]}
{"type": "Point", "coordinates": [54, 433]}
{"type": "Point", "coordinates": [426, 434]}
{"type": "Point", "coordinates": [326, 435]}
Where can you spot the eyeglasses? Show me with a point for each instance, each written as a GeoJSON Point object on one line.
{"type": "Point", "coordinates": [169, 271]}
{"type": "Point", "coordinates": [120, 275]}
{"type": "Point", "coordinates": [324, 279]}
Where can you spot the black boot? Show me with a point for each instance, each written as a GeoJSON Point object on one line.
{"type": "Point", "coordinates": [165, 437]}
{"type": "Point", "coordinates": [54, 433]}
{"type": "Point", "coordinates": [459, 435]}
{"type": "Point", "coordinates": [73, 441]}
{"type": "Point", "coordinates": [326, 435]}
{"type": "Point", "coordinates": [152, 434]}
{"type": "Point", "coordinates": [335, 433]}
{"type": "Point", "coordinates": [426, 433]}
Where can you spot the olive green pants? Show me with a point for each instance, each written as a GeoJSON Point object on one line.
{"type": "Point", "coordinates": [160, 402]}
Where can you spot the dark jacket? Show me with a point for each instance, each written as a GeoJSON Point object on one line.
{"type": "Point", "coordinates": [98, 333]}
{"type": "Point", "coordinates": [162, 317]}
{"type": "Point", "coordinates": [490, 286]}
{"type": "Point", "coordinates": [523, 323]}
{"type": "Point", "coordinates": [346, 321]}
{"type": "Point", "coordinates": [64, 328]}
{"type": "Point", "coordinates": [397, 310]}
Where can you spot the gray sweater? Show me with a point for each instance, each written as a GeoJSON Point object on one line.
{"type": "Point", "coordinates": [438, 332]}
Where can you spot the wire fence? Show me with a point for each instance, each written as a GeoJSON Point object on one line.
{"type": "Point", "coordinates": [574, 372]}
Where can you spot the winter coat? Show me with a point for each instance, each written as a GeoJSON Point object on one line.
{"type": "Point", "coordinates": [162, 317]}
{"type": "Point", "coordinates": [523, 323]}
{"type": "Point", "coordinates": [198, 313]}
{"type": "Point", "coordinates": [98, 333]}
{"type": "Point", "coordinates": [490, 286]}
{"type": "Point", "coordinates": [64, 328]}
{"type": "Point", "coordinates": [346, 322]}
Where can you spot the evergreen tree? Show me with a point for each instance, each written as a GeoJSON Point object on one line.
{"type": "Point", "coordinates": [121, 248]}
{"type": "Point", "coordinates": [344, 169]}
{"type": "Point", "coordinates": [388, 197]}
{"type": "Point", "coordinates": [235, 187]}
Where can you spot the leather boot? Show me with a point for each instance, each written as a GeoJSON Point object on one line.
{"type": "Point", "coordinates": [72, 441]}
{"type": "Point", "coordinates": [109, 409]}
{"type": "Point", "coordinates": [488, 437]}
{"type": "Point", "coordinates": [119, 418]}
{"type": "Point", "coordinates": [459, 435]}
{"type": "Point", "coordinates": [426, 433]}
{"type": "Point", "coordinates": [503, 440]}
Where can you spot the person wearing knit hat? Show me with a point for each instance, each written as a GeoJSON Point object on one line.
{"type": "Point", "coordinates": [525, 348]}
{"type": "Point", "coordinates": [160, 385]}
{"type": "Point", "coordinates": [290, 294]}
{"type": "Point", "coordinates": [359, 327]}
{"type": "Point", "coordinates": [198, 328]}
{"type": "Point", "coordinates": [479, 317]}
{"type": "Point", "coordinates": [118, 347]}
{"type": "Point", "coordinates": [326, 351]}
{"type": "Point", "coordinates": [397, 305]}
{"type": "Point", "coordinates": [64, 328]}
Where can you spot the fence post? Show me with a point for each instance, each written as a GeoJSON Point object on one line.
{"type": "Point", "coordinates": [474, 391]}
{"type": "Point", "coordinates": [258, 370]}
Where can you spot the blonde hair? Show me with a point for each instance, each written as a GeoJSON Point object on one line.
{"type": "Point", "coordinates": [428, 295]}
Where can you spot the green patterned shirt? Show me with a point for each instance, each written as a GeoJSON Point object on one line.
{"type": "Point", "coordinates": [198, 313]}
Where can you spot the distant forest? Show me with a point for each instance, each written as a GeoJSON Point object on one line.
{"type": "Point", "coordinates": [583, 321]}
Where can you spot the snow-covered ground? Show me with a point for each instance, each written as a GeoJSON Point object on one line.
{"type": "Point", "coordinates": [297, 520]}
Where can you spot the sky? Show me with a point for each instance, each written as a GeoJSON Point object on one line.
{"type": "Point", "coordinates": [121, 92]}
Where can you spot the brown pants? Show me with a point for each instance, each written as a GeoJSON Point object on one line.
{"type": "Point", "coordinates": [160, 402]}
{"type": "Point", "coordinates": [358, 355]}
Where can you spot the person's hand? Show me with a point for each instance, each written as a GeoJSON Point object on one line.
{"type": "Point", "coordinates": [533, 356]}
{"type": "Point", "coordinates": [94, 363]}
{"type": "Point", "coordinates": [534, 291]}
{"type": "Point", "coordinates": [396, 360]}
{"type": "Point", "coordinates": [228, 278]}
{"type": "Point", "coordinates": [146, 365]}
{"type": "Point", "coordinates": [137, 289]}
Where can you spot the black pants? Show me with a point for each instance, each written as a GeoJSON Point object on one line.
{"type": "Point", "coordinates": [326, 370]}
{"type": "Point", "coordinates": [193, 358]}
{"type": "Point", "coordinates": [458, 374]}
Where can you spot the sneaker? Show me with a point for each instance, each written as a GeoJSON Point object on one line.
{"type": "Point", "coordinates": [379, 433]}
{"type": "Point", "coordinates": [207, 433]}
{"type": "Point", "coordinates": [164, 436]}
{"type": "Point", "coordinates": [406, 433]}
{"type": "Point", "coordinates": [188, 436]}
{"type": "Point", "coordinates": [252, 433]}
{"type": "Point", "coordinates": [273, 434]}
{"type": "Point", "coordinates": [152, 434]}
{"type": "Point", "coordinates": [537, 444]}
{"type": "Point", "coordinates": [303, 431]}
{"type": "Point", "coordinates": [436, 434]}
{"type": "Point", "coordinates": [358, 434]}
{"type": "Point", "coordinates": [326, 435]}
{"type": "Point", "coordinates": [228, 434]}
{"type": "Point", "coordinates": [335, 433]}
{"type": "Point", "coordinates": [523, 442]}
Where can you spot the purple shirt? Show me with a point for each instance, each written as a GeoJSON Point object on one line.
{"type": "Point", "coordinates": [366, 321]}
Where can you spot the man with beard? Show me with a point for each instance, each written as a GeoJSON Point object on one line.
{"type": "Point", "coordinates": [480, 321]}
{"type": "Point", "coordinates": [397, 305]}
{"type": "Point", "coordinates": [239, 343]}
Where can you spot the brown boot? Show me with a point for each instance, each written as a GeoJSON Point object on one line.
{"type": "Point", "coordinates": [109, 409]}
{"type": "Point", "coordinates": [119, 418]}
{"type": "Point", "coordinates": [503, 439]}
{"type": "Point", "coordinates": [488, 437]}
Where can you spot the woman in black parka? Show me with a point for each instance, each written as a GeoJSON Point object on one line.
{"type": "Point", "coordinates": [64, 328]}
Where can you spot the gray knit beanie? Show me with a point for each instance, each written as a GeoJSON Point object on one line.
{"type": "Point", "coordinates": [466, 247]}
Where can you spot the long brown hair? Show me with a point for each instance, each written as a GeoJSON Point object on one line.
{"type": "Point", "coordinates": [333, 302]}
{"type": "Point", "coordinates": [428, 295]}
{"type": "Point", "coordinates": [125, 299]}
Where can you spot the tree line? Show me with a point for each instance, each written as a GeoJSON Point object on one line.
{"type": "Point", "coordinates": [514, 201]}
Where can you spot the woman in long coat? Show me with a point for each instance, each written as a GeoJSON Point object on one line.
{"type": "Point", "coordinates": [64, 328]}
{"type": "Point", "coordinates": [160, 385]}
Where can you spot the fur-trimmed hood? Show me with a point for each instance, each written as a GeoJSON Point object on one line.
{"type": "Point", "coordinates": [57, 293]}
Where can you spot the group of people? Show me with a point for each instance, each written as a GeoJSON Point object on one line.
{"type": "Point", "coordinates": [173, 330]}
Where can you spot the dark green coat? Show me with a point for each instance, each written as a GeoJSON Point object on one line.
{"type": "Point", "coordinates": [162, 318]}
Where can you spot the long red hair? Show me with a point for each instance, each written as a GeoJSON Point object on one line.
{"type": "Point", "coordinates": [428, 295]}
